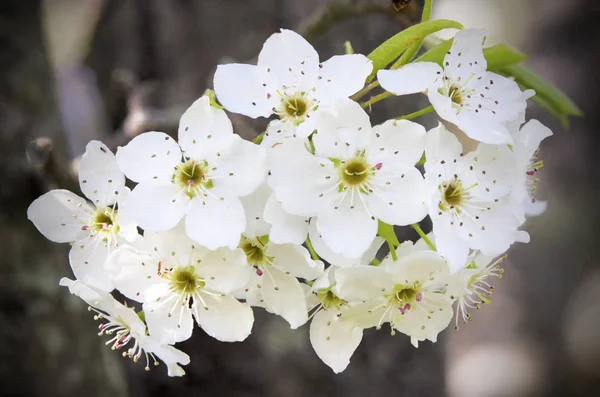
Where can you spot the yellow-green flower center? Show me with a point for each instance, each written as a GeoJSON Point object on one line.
{"type": "Point", "coordinates": [329, 299]}
{"type": "Point", "coordinates": [355, 171]}
{"type": "Point", "coordinates": [103, 220]}
{"type": "Point", "coordinates": [185, 281]}
{"type": "Point", "coordinates": [191, 176]}
{"type": "Point", "coordinates": [453, 194]}
{"type": "Point", "coordinates": [256, 252]}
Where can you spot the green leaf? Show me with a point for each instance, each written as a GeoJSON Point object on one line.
{"type": "Point", "coordinates": [549, 95]}
{"type": "Point", "coordinates": [497, 56]}
{"type": "Point", "coordinates": [212, 98]}
{"type": "Point", "coordinates": [387, 232]}
{"type": "Point", "coordinates": [396, 45]}
{"type": "Point", "coordinates": [426, 11]}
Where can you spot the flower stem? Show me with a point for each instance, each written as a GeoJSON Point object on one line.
{"type": "Point", "coordinates": [423, 236]}
{"type": "Point", "coordinates": [416, 114]}
{"type": "Point", "coordinates": [393, 251]}
{"type": "Point", "coordinates": [313, 254]}
{"type": "Point", "coordinates": [259, 138]}
{"type": "Point", "coordinates": [376, 99]}
{"type": "Point", "coordinates": [364, 91]}
{"type": "Point", "coordinates": [375, 262]}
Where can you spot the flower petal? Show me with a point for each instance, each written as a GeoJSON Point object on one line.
{"type": "Point", "coordinates": [334, 339]}
{"type": "Point", "coordinates": [254, 207]}
{"type": "Point", "coordinates": [342, 76]}
{"type": "Point", "coordinates": [246, 89]}
{"type": "Point", "coordinates": [410, 79]}
{"type": "Point", "coordinates": [361, 283]}
{"type": "Point", "coordinates": [92, 296]}
{"type": "Point", "coordinates": [173, 247]}
{"type": "Point", "coordinates": [532, 134]}
{"type": "Point", "coordinates": [397, 141]}
{"type": "Point", "coordinates": [465, 59]}
{"type": "Point", "coordinates": [216, 221]}
{"type": "Point", "coordinates": [59, 215]}
{"type": "Point", "coordinates": [242, 169]}
{"type": "Point", "coordinates": [168, 321]}
{"type": "Point", "coordinates": [291, 60]}
{"type": "Point", "coordinates": [295, 260]}
{"type": "Point", "coordinates": [157, 206]}
{"type": "Point", "coordinates": [285, 227]}
{"type": "Point", "coordinates": [283, 295]}
{"type": "Point", "coordinates": [224, 270]}
{"type": "Point", "coordinates": [100, 179]}
{"type": "Point", "coordinates": [87, 259]}
{"type": "Point", "coordinates": [149, 157]}
{"type": "Point", "coordinates": [133, 271]}
{"type": "Point", "coordinates": [224, 317]}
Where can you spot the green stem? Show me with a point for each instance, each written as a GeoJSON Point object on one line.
{"type": "Point", "coordinates": [416, 114]}
{"type": "Point", "coordinates": [376, 99]}
{"type": "Point", "coordinates": [364, 91]}
{"type": "Point", "coordinates": [313, 254]}
{"type": "Point", "coordinates": [426, 11]}
{"type": "Point", "coordinates": [375, 262]}
{"type": "Point", "coordinates": [259, 138]}
{"type": "Point", "coordinates": [423, 236]}
{"type": "Point", "coordinates": [393, 251]}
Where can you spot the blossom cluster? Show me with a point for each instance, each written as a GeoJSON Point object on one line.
{"type": "Point", "coordinates": [216, 225]}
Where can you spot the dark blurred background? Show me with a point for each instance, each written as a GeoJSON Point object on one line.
{"type": "Point", "coordinates": [76, 70]}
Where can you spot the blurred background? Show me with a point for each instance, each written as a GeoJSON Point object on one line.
{"type": "Point", "coordinates": [73, 70]}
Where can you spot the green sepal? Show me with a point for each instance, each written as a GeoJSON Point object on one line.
{"type": "Point", "coordinates": [336, 162]}
{"type": "Point", "coordinates": [264, 240]}
{"type": "Point", "coordinates": [212, 99]}
{"type": "Point", "coordinates": [422, 160]}
{"type": "Point", "coordinates": [141, 315]}
{"type": "Point", "coordinates": [386, 231]}
{"type": "Point", "coordinates": [396, 45]}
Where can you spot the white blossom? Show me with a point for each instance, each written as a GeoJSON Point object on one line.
{"type": "Point", "coordinates": [463, 92]}
{"type": "Point", "coordinates": [178, 280]}
{"type": "Point", "coordinates": [290, 82]}
{"type": "Point", "coordinates": [470, 208]}
{"type": "Point", "coordinates": [407, 293]}
{"type": "Point", "coordinates": [94, 227]}
{"type": "Point", "coordinates": [201, 178]}
{"type": "Point", "coordinates": [355, 176]}
{"type": "Point", "coordinates": [126, 329]}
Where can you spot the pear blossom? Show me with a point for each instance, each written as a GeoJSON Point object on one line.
{"type": "Point", "coordinates": [527, 142]}
{"type": "Point", "coordinates": [274, 284]}
{"type": "Point", "coordinates": [127, 330]}
{"type": "Point", "coordinates": [95, 227]}
{"type": "Point", "coordinates": [463, 92]}
{"type": "Point", "coordinates": [289, 81]}
{"type": "Point", "coordinates": [201, 178]}
{"type": "Point", "coordinates": [356, 175]}
{"type": "Point", "coordinates": [470, 208]}
{"type": "Point", "coordinates": [470, 287]}
{"type": "Point", "coordinates": [178, 281]}
{"type": "Point", "coordinates": [407, 293]}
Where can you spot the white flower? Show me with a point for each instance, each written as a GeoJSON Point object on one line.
{"type": "Point", "coordinates": [470, 286]}
{"type": "Point", "coordinates": [355, 176]}
{"type": "Point", "coordinates": [202, 180]}
{"type": "Point", "coordinates": [176, 279]}
{"type": "Point", "coordinates": [95, 228]}
{"type": "Point", "coordinates": [274, 285]}
{"type": "Point", "coordinates": [334, 333]}
{"type": "Point", "coordinates": [407, 293]}
{"type": "Point", "coordinates": [479, 102]}
{"type": "Point", "coordinates": [527, 141]}
{"type": "Point", "coordinates": [128, 331]}
{"type": "Point", "coordinates": [289, 81]}
{"type": "Point", "coordinates": [470, 208]}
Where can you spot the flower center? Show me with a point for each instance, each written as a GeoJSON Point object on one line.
{"type": "Point", "coordinates": [455, 95]}
{"type": "Point", "coordinates": [295, 107]}
{"type": "Point", "coordinates": [329, 299]}
{"type": "Point", "coordinates": [103, 222]}
{"type": "Point", "coordinates": [185, 281]}
{"type": "Point", "coordinates": [355, 172]}
{"type": "Point", "coordinates": [192, 177]}
{"type": "Point", "coordinates": [403, 296]}
{"type": "Point", "coordinates": [256, 252]}
{"type": "Point", "coordinates": [453, 194]}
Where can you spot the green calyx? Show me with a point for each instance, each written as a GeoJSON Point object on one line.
{"type": "Point", "coordinates": [256, 250]}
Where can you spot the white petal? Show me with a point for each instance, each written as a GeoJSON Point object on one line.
{"type": "Point", "coordinates": [127, 227]}
{"type": "Point", "coordinates": [173, 247]}
{"type": "Point", "coordinates": [342, 76]}
{"type": "Point", "coordinates": [224, 270]}
{"type": "Point", "coordinates": [465, 57]}
{"type": "Point", "coordinates": [246, 89]}
{"type": "Point", "coordinates": [216, 221]}
{"type": "Point", "coordinates": [291, 59]}
{"type": "Point", "coordinates": [347, 230]}
{"type": "Point", "coordinates": [334, 339]}
{"type": "Point", "coordinates": [532, 134]}
{"type": "Point", "coordinates": [157, 206]}
{"type": "Point", "coordinates": [283, 295]}
{"type": "Point", "coordinates": [133, 271]}
{"type": "Point", "coordinates": [168, 354]}
{"type": "Point", "coordinates": [401, 197]}
{"type": "Point", "coordinates": [224, 317]}
{"type": "Point", "coordinates": [168, 320]}
{"type": "Point", "coordinates": [92, 296]}
{"type": "Point", "coordinates": [87, 259]}
{"type": "Point", "coordinates": [59, 215]}
{"type": "Point", "coordinates": [361, 283]}
{"type": "Point", "coordinates": [452, 247]}
{"type": "Point", "coordinates": [174, 370]}
{"type": "Point", "coordinates": [254, 207]}
{"type": "Point", "coordinates": [149, 157]}
{"type": "Point", "coordinates": [342, 130]}
{"type": "Point", "coordinates": [242, 169]}
{"type": "Point", "coordinates": [295, 260]}
{"type": "Point", "coordinates": [204, 130]}
{"type": "Point", "coordinates": [421, 324]}
{"type": "Point", "coordinates": [442, 145]}
{"type": "Point", "coordinates": [426, 267]}
{"type": "Point", "coordinates": [535, 207]}
{"type": "Point", "coordinates": [277, 131]}
{"type": "Point", "coordinates": [410, 79]}
{"type": "Point", "coordinates": [285, 227]}
{"type": "Point", "coordinates": [402, 141]}
{"type": "Point", "coordinates": [443, 105]}
{"type": "Point", "coordinates": [494, 169]}
{"type": "Point", "coordinates": [99, 176]}
{"type": "Point", "coordinates": [483, 129]}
